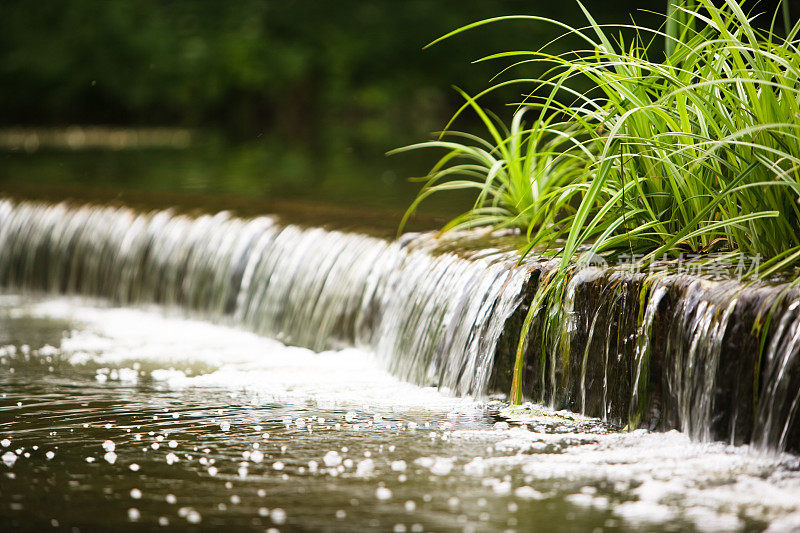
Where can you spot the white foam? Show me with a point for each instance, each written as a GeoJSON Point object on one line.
{"type": "Point", "coordinates": [233, 359]}
{"type": "Point", "coordinates": [667, 475]}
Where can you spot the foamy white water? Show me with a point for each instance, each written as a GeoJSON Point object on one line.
{"type": "Point", "coordinates": [458, 468]}
{"type": "Point", "coordinates": [163, 346]}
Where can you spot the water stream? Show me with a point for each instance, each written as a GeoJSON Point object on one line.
{"type": "Point", "coordinates": [199, 371]}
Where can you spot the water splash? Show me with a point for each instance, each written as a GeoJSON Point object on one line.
{"type": "Point", "coordinates": [434, 318]}
{"type": "Point", "coordinates": [717, 359]}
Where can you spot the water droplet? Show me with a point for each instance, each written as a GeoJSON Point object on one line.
{"type": "Point", "coordinates": [332, 458]}
{"type": "Point", "coordinates": [278, 516]}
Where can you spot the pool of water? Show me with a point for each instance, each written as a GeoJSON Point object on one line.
{"type": "Point", "coordinates": [129, 419]}
{"type": "Point", "coordinates": [250, 178]}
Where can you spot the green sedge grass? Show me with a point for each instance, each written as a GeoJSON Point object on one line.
{"type": "Point", "coordinates": [698, 152]}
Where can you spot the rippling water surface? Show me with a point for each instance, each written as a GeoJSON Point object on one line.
{"type": "Point", "coordinates": [130, 419]}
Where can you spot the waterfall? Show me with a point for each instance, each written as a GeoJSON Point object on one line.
{"type": "Point", "coordinates": [434, 318]}
{"type": "Point", "coordinates": [718, 359]}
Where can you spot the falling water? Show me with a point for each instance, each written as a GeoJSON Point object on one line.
{"type": "Point", "coordinates": [778, 403]}
{"type": "Point", "coordinates": [433, 318]}
{"type": "Point", "coordinates": [719, 360]}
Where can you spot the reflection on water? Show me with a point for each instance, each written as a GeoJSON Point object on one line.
{"type": "Point", "coordinates": [127, 419]}
{"type": "Point", "coordinates": [252, 174]}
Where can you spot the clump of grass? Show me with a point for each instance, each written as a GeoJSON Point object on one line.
{"type": "Point", "coordinates": [524, 175]}
{"type": "Point", "coordinates": [698, 152]}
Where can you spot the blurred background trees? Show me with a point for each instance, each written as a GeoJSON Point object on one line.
{"type": "Point", "coordinates": [318, 87]}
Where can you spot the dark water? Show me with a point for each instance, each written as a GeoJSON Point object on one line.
{"type": "Point", "coordinates": [132, 419]}
{"type": "Point", "coordinates": [253, 178]}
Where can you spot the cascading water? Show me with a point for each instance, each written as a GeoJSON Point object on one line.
{"type": "Point", "coordinates": [434, 318]}
{"type": "Point", "coordinates": [716, 359]}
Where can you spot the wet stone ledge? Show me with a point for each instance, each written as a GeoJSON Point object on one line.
{"type": "Point", "coordinates": [716, 359]}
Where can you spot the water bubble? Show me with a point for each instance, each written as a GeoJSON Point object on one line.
{"type": "Point", "coordinates": [410, 506]}
{"type": "Point", "coordinates": [350, 416]}
{"type": "Point", "coordinates": [134, 467]}
{"type": "Point", "coordinates": [341, 514]}
{"type": "Point", "coordinates": [193, 517]}
{"type": "Point", "coordinates": [442, 466]}
{"type": "Point", "coordinates": [224, 425]}
{"type": "Point", "coordinates": [171, 499]}
{"type": "Point", "coordinates": [365, 468]}
{"type": "Point", "coordinates": [502, 488]}
{"type": "Point", "coordinates": [172, 444]}
{"type": "Point", "coordinates": [5, 443]}
{"type": "Point", "coordinates": [277, 465]}
{"type": "Point", "coordinates": [528, 493]}
{"type": "Point", "coordinates": [9, 458]}
{"type": "Point", "coordinates": [134, 514]}
{"type": "Point", "coordinates": [332, 458]}
{"type": "Point", "coordinates": [50, 454]}
{"type": "Point", "coordinates": [110, 457]}
{"type": "Point", "coordinates": [109, 446]}
{"type": "Point", "coordinates": [278, 516]}
{"type": "Point", "coordinates": [171, 458]}
{"type": "Point", "coordinates": [382, 493]}
{"type": "Point", "coordinates": [399, 466]}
